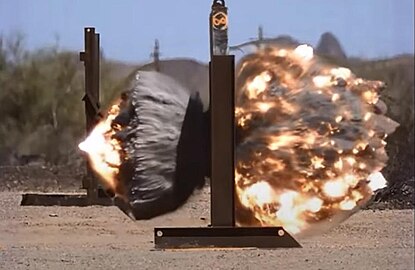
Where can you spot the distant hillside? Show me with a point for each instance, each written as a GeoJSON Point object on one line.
{"type": "Point", "coordinates": [329, 45]}
{"type": "Point", "coordinates": [191, 74]}
{"type": "Point", "coordinates": [281, 41]}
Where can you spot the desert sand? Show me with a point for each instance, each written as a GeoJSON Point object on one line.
{"type": "Point", "coordinates": [104, 238]}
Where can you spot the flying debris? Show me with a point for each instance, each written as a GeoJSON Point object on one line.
{"type": "Point", "coordinates": [149, 152]}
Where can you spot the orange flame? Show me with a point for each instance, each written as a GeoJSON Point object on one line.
{"type": "Point", "coordinates": [103, 150]}
{"type": "Point", "coordinates": [325, 187]}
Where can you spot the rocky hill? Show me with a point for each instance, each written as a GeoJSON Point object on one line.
{"type": "Point", "coordinates": [329, 45]}
{"type": "Point", "coordinates": [191, 74]}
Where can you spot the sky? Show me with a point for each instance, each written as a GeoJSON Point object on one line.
{"type": "Point", "coordinates": [128, 28]}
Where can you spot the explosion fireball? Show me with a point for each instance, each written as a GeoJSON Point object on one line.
{"type": "Point", "coordinates": [310, 141]}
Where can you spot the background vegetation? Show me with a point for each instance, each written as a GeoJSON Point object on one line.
{"type": "Point", "coordinates": [42, 115]}
{"type": "Point", "coordinates": [41, 112]}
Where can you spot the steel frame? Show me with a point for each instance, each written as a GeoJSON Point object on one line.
{"type": "Point", "coordinates": [94, 195]}
{"type": "Point", "coordinates": [223, 233]}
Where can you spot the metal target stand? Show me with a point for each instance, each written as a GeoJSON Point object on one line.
{"type": "Point", "coordinates": [222, 233]}
{"type": "Point", "coordinates": [94, 194]}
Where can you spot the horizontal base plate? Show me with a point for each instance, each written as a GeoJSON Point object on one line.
{"type": "Point", "coordinates": [223, 237]}
{"type": "Point", "coordinates": [54, 199]}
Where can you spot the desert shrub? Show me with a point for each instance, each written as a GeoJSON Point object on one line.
{"type": "Point", "coordinates": [41, 111]}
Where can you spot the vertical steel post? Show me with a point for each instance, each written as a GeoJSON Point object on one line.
{"type": "Point", "coordinates": [91, 59]}
{"type": "Point", "coordinates": [223, 232]}
{"type": "Point", "coordinates": [222, 140]}
{"type": "Point", "coordinates": [222, 85]}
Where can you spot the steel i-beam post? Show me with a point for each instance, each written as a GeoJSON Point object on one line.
{"type": "Point", "coordinates": [95, 195]}
{"type": "Point", "coordinates": [221, 89]}
{"type": "Point", "coordinates": [223, 233]}
{"type": "Point", "coordinates": [222, 140]}
{"type": "Point", "coordinates": [91, 59]}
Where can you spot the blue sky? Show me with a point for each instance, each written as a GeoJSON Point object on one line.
{"type": "Point", "coordinates": [366, 28]}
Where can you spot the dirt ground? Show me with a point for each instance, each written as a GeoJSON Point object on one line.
{"type": "Point", "coordinates": [104, 238]}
